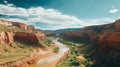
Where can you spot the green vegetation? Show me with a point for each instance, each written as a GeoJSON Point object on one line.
{"type": "Point", "coordinates": [56, 49]}
{"type": "Point", "coordinates": [67, 42]}
{"type": "Point", "coordinates": [46, 41]}
{"type": "Point", "coordinates": [71, 60]}
{"type": "Point", "coordinates": [16, 51]}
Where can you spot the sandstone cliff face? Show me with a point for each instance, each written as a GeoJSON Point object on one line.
{"type": "Point", "coordinates": [113, 40]}
{"type": "Point", "coordinates": [23, 26]}
{"type": "Point", "coordinates": [109, 41]}
{"type": "Point", "coordinates": [106, 36]}
{"type": "Point", "coordinates": [6, 38]}
{"type": "Point", "coordinates": [108, 48]}
{"type": "Point", "coordinates": [26, 37]}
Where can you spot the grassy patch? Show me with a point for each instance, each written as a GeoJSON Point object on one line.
{"type": "Point", "coordinates": [46, 41]}
{"type": "Point", "coordinates": [71, 59]}
{"type": "Point", "coordinates": [14, 52]}
{"type": "Point", "coordinates": [56, 49]}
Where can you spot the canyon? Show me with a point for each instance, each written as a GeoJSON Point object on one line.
{"type": "Point", "coordinates": [105, 40]}
{"type": "Point", "coordinates": [101, 42]}
{"type": "Point", "coordinates": [27, 34]}
{"type": "Point", "coordinates": [15, 36]}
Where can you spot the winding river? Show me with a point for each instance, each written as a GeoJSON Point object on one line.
{"type": "Point", "coordinates": [52, 61]}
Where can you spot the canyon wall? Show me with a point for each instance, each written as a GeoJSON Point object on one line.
{"type": "Point", "coordinates": [109, 41]}
{"type": "Point", "coordinates": [104, 38]}
{"type": "Point", "coordinates": [9, 37]}
{"type": "Point", "coordinates": [30, 38]}
{"type": "Point", "coordinates": [6, 38]}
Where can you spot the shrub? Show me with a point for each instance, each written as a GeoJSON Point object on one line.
{"type": "Point", "coordinates": [6, 49]}
{"type": "Point", "coordinates": [75, 63]}
{"type": "Point", "coordinates": [56, 49]}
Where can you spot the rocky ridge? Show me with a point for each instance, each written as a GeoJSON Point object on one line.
{"type": "Point", "coordinates": [9, 37]}
{"type": "Point", "coordinates": [106, 40]}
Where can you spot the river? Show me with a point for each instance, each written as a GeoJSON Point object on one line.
{"type": "Point", "coordinates": [52, 61]}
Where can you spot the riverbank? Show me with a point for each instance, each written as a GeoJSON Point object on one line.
{"type": "Point", "coordinates": [52, 63]}
{"type": "Point", "coordinates": [54, 58]}
{"type": "Point", "coordinates": [49, 54]}
{"type": "Point", "coordinates": [26, 61]}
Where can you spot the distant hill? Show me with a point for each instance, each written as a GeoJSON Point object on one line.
{"type": "Point", "coordinates": [60, 31]}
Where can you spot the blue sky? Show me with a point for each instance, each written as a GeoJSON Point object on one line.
{"type": "Point", "coordinates": [59, 14]}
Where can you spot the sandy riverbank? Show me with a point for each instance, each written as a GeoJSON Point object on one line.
{"type": "Point", "coordinates": [51, 59]}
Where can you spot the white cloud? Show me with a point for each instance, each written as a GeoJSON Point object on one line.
{"type": "Point", "coordinates": [5, 1]}
{"type": "Point", "coordinates": [99, 21]}
{"type": "Point", "coordinates": [12, 11]}
{"type": "Point", "coordinates": [114, 10]}
{"type": "Point", "coordinates": [40, 15]}
{"type": "Point", "coordinates": [51, 18]}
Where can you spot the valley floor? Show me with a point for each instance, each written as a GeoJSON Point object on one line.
{"type": "Point", "coordinates": [51, 59]}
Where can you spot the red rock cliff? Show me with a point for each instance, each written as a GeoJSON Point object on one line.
{"type": "Point", "coordinates": [106, 36]}
{"type": "Point", "coordinates": [6, 38]}
{"type": "Point", "coordinates": [109, 41]}
{"type": "Point", "coordinates": [26, 37]}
